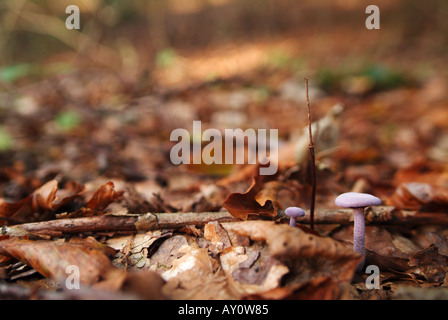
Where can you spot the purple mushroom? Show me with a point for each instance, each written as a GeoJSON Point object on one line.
{"type": "Point", "coordinates": [358, 201]}
{"type": "Point", "coordinates": [294, 213]}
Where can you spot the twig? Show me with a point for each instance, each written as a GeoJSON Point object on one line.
{"type": "Point", "coordinates": [382, 215]}
{"type": "Point", "coordinates": [117, 223]}
{"type": "Point", "coordinates": [313, 159]}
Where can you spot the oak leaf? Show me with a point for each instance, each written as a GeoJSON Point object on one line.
{"type": "Point", "coordinates": [259, 199]}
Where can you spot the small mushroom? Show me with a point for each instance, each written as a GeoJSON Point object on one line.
{"type": "Point", "coordinates": [358, 202]}
{"type": "Point", "coordinates": [293, 213]}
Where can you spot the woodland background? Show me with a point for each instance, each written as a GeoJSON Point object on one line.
{"type": "Point", "coordinates": [86, 118]}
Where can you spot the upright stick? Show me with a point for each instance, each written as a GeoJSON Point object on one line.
{"type": "Point", "coordinates": [313, 159]}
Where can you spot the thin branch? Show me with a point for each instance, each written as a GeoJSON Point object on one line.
{"type": "Point", "coordinates": [313, 159]}
{"type": "Point", "coordinates": [380, 215]}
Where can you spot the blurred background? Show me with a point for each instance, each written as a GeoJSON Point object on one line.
{"type": "Point", "coordinates": [102, 100]}
{"type": "Point", "coordinates": [137, 38]}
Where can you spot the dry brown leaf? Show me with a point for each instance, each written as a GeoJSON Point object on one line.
{"type": "Point", "coordinates": [51, 258]}
{"type": "Point", "coordinates": [416, 195]}
{"type": "Point", "coordinates": [322, 288]}
{"type": "Point", "coordinates": [307, 255]}
{"type": "Point", "coordinates": [100, 200]}
{"type": "Point", "coordinates": [439, 241]}
{"type": "Point", "coordinates": [432, 262]}
{"type": "Point", "coordinates": [259, 199]}
{"type": "Point", "coordinates": [431, 265]}
{"type": "Point", "coordinates": [214, 232]}
{"type": "Point", "coordinates": [105, 195]}
{"type": "Point", "coordinates": [48, 197]}
{"type": "Point", "coordinates": [251, 270]}
{"type": "Point", "coordinates": [45, 198]}
{"type": "Point", "coordinates": [8, 210]}
{"type": "Point", "coordinates": [423, 172]}
{"type": "Point", "coordinates": [289, 243]}
{"type": "Point", "coordinates": [195, 276]}
{"type": "Point", "coordinates": [389, 251]}
{"type": "Point", "coordinates": [167, 252]}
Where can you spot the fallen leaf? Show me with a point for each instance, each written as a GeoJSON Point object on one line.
{"type": "Point", "coordinates": [217, 235]}
{"type": "Point", "coordinates": [167, 252]}
{"type": "Point", "coordinates": [45, 198]}
{"type": "Point", "coordinates": [416, 196]}
{"type": "Point", "coordinates": [431, 265]}
{"type": "Point", "coordinates": [251, 269]}
{"type": "Point", "coordinates": [51, 258]}
{"type": "Point", "coordinates": [259, 199]}
{"type": "Point", "coordinates": [105, 195]}
{"type": "Point", "coordinates": [439, 241]}
{"type": "Point", "coordinates": [48, 197]}
{"type": "Point", "coordinates": [307, 256]}
{"type": "Point", "coordinates": [8, 210]}
{"type": "Point", "coordinates": [322, 288]}
{"type": "Point", "coordinates": [389, 251]}
{"type": "Point", "coordinates": [195, 276]}
{"type": "Point", "coordinates": [423, 172]}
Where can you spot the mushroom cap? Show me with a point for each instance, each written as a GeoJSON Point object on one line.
{"type": "Point", "coordinates": [294, 212]}
{"type": "Point", "coordinates": [357, 200]}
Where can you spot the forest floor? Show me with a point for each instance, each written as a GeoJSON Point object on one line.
{"type": "Point", "coordinates": [86, 156]}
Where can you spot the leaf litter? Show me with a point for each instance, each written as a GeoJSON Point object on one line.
{"type": "Point", "coordinates": [90, 147]}
{"type": "Point", "coordinates": [251, 259]}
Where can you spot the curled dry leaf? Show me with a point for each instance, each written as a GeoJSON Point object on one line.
{"type": "Point", "coordinates": [259, 199]}
{"type": "Point", "coordinates": [51, 258]}
{"type": "Point", "coordinates": [105, 195]}
{"type": "Point", "coordinates": [48, 197]}
{"type": "Point", "coordinates": [308, 256]}
{"type": "Point", "coordinates": [431, 265]}
{"type": "Point", "coordinates": [45, 198]}
{"type": "Point", "coordinates": [432, 262]}
{"type": "Point", "coordinates": [99, 201]}
{"type": "Point", "coordinates": [416, 195]}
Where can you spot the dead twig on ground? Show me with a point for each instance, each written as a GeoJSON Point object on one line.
{"type": "Point", "coordinates": [313, 159]}
{"type": "Point", "coordinates": [153, 221]}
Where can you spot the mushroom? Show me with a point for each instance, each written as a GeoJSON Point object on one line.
{"type": "Point", "coordinates": [358, 201]}
{"type": "Point", "coordinates": [294, 213]}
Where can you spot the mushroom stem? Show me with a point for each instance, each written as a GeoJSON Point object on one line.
{"type": "Point", "coordinates": [292, 222]}
{"type": "Point", "coordinates": [359, 232]}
